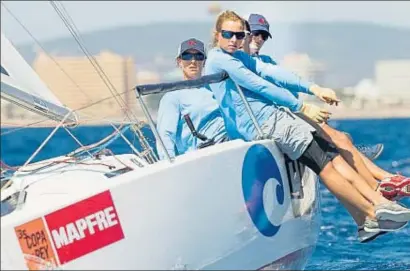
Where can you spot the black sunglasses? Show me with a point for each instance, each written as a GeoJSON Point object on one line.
{"type": "Point", "coordinates": [229, 34]}
{"type": "Point", "coordinates": [264, 34]}
{"type": "Point", "coordinates": [190, 56]}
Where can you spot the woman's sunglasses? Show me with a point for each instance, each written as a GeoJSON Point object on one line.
{"type": "Point", "coordinates": [229, 34]}
{"type": "Point", "coordinates": [264, 34]}
{"type": "Point", "coordinates": [190, 56]}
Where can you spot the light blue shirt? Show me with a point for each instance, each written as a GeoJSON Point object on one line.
{"type": "Point", "coordinates": [264, 85]}
{"type": "Point", "coordinates": [265, 58]}
{"type": "Point", "coordinates": [294, 83]}
{"type": "Point", "coordinates": [204, 112]}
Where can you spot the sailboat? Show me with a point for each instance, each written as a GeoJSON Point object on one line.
{"type": "Point", "coordinates": [234, 205]}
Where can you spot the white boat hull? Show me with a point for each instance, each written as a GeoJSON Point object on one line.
{"type": "Point", "coordinates": [221, 207]}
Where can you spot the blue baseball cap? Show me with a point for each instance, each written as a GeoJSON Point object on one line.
{"type": "Point", "coordinates": [258, 22]}
{"type": "Point", "coordinates": [193, 44]}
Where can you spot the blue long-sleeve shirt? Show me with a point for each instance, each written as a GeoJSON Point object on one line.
{"type": "Point", "coordinates": [265, 58]}
{"type": "Point", "coordinates": [249, 73]}
{"type": "Point", "coordinates": [204, 112]}
{"type": "Point", "coordinates": [284, 78]}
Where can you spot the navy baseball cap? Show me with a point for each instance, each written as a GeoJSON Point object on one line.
{"type": "Point", "coordinates": [193, 44]}
{"type": "Point", "coordinates": [258, 22]}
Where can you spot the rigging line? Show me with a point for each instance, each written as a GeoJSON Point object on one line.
{"type": "Point", "coordinates": [77, 37]}
{"type": "Point", "coordinates": [90, 57]}
{"type": "Point", "coordinates": [23, 127]}
{"type": "Point", "coordinates": [94, 145]}
{"type": "Point", "coordinates": [122, 124]}
{"type": "Point", "coordinates": [45, 51]}
{"type": "Point", "coordinates": [101, 100]}
{"type": "Point", "coordinates": [145, 144]}
{"type": "Point", "coordinates": [78, 34]}
{"type": "Point", "coordinates": [71, 21]}
{"type": "Point", "coordinates": [75, 110]}
{"type": "Point", "coordinates": [116, 158]}
{"type": "Point", "coordinates": [89, 119]}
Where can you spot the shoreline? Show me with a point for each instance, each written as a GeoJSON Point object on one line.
{"type": "Point", "coordinates": [337, 114]}
{"type": "Point", "coordinates": [373, 113]}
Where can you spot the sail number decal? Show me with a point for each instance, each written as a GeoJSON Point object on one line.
{"type": "Point", "coordinates": [35, 241]}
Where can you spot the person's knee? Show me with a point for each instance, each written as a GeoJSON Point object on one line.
{"type": "Point", "coordinates": [341, 139]}
{"type": "Point", "coordinates": [326, 169]}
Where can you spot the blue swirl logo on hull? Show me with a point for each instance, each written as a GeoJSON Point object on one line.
{"type": "Point", "coordinates": [259, 167]}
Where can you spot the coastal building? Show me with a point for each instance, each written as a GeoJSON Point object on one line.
{"type": "Point", "coordinates": [392, 77]}
{"type": "Point", "coordinates": [306, 67]}
{"type": "Point", "coordinates": [77, 83]}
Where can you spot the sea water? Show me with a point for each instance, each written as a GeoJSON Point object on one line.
{"type": "Point", "coordinates": [337, 248]}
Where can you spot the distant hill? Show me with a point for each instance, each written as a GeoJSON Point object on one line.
{"type": "Point", "coordinates": [349, 50]}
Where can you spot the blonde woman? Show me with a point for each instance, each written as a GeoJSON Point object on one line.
{"type": "Point", "coordinates": [295, 137]}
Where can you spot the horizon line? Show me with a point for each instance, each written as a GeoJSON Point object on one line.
{"type": "Point", "coordinates": [67, 35]}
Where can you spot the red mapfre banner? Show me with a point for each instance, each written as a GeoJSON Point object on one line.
{"type": "Point", "coordinates": [84, 227]}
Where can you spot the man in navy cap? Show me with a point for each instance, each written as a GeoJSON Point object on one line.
{"type": "Point", "coordinates": [259, 28]}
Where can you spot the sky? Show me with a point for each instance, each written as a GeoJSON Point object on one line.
{"type": "Point", "coordinates": [43, 22]}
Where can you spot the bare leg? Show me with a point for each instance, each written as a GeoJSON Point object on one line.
{"type": "Point", "coordinates": [350, 154]}
{"type": "Point", "coordinates": [377, 172]}
{"type": "Point", "coordinates": [357, 216]}
{"type": "Point", "coordinates": [357, 181]}
{"type": "Point", "coordinates": [345, 192]}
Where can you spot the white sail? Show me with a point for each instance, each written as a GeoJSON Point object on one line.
{"type": "Point", "coordinates": [21, 85]}
{"type": "Point", "coordinates": [20, 71]}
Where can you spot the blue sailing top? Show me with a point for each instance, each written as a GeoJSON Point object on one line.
{"type": "Point", "coordinates": [264, 85]}
{"type": "Point", "coordinates": [204, 112]}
